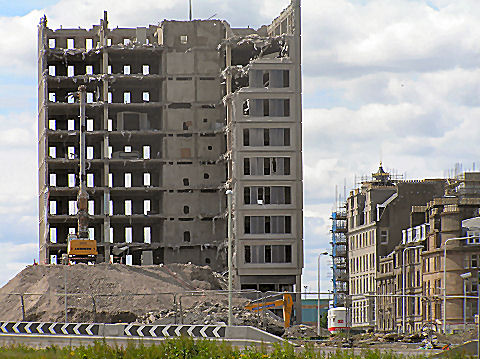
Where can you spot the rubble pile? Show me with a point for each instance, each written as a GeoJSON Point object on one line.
{"type": "Point", "coordinates": [105, 293]}
{"type": "Point", "coordinates": [216, 312]}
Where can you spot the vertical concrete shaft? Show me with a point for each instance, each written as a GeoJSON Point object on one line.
{"type": "Point", "coordinates": [230, 262]}
{"type": "Point", "coordinates": [106, 166]}
{"type": "Point", "coordinates": [82, 197]}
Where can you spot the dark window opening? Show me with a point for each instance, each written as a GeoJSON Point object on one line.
{"type": "Point", "coordinates": [205, 120]}
{"type": "Point", "coordinates": [266, 108]}
{"type": "Point", "coordinates": [206, 176]}
{"type": "Point", "coordinates": [286, 137]}
{"type": "Point", "coordinates": [248, 255]}
{"type": "Point", "coordinates": [288, 195]}
{"type": "Point", "coordinates": [207, 260]}
{"type": "Point", "coordinates": [266, 79]}
{"type": "Point", "coordinates": [246, 195]}
{"type": "Point", "coordinates": [288, 224]}
{"type": "Point", "coordinates": [268, 254]}
{"type": "Point", "coordinates": [266, 137]}
{"type": "Point", "coordinates": [185, 126]}
{"type": "Point", "coordinates": [246, 108]}
{"type": "Point", "coordinates": [186, 209]}
{"type": "Point", "coordinates": [246, 137]}
{"type": "Point", "coordinates": [186, 182]}
{"type": "Point", "coordinates": [286, 166]}
{"type": "Point", "coordinates": [267, 224]}
{"type": "Point", "coordinates": [286, 108]}
{"type": "Point", "coordinates": [209, 148]}
{"type": "Point", "coordinates": [180, 105]}
{"type": "Point", "coordinates": [260, 194]}
{"type": "Point", "coordinates": [186, 236]}
{"type": "Point", "coordinates": [267, 195]}
{"type": "Point", "coordinates": [247, 225]}
{"type": "Point", "coordinates": [274, 165]}
{"type": "Point", "coordinates": [286, 78]}
{"type": "Point", "coordinates": [266, 166]}
{"type": "Point", "coordinates": [288, 254]}
{"type": "Point", "coordinates": [246, 166]}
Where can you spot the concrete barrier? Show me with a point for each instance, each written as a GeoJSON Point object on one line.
{"type": "Point", "coordinates": [76, 334]}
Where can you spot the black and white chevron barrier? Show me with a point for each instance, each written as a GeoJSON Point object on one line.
{"type": "Point", "coordinates": [48, 328]}
{"type": "Point", "coordinates": [165, 331]}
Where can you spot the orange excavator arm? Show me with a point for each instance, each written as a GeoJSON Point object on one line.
{"type": "Point", "coordinates": [286, 304]}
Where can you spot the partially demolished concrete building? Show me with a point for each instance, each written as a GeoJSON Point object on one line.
{"type": "Point", "coordinates": [176, 114]}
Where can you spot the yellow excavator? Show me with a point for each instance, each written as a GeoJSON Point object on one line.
{"type": "Point", "coordinates": [286, 303]}
{"type": "Point", "coordinates": [81, 249]}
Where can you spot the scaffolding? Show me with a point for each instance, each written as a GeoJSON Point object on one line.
{"type": "Point", "coordinates": [340, 257]}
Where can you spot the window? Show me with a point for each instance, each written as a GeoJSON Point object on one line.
{"type": "Point", "coordinates": [52, 152]}
{"type": "Point", "coordinates": [268, 254]}
{"type": "Point", "coordinates": [128, 180]}
{"type": "Point", "coordinates": [90, 123]}
{"type": "Point", "coordinates": [246, 166]}
{"type": "Point", "coordinates": [146, 96]}
{"type": "Point", "coordinates": [128, 234]}
{"type": "Point", "coordinates": [51, 70]}
{"type": "Point", "coordinates": [147, 235]}
{"type": "Point", "coordinates": [91, 207]}
{"type": "Point", "coordinates": [146, 69]}
{"type": "Point", "coordinates": [53, 235]}
{"type": "Point", "coordinates": [183, 39]}
{"type": "Point", "coordinates": [126, 42]}
{"type": "Point", "coordinates": [248, 254]}
{"type": "Point", "coordinates": [70, 43]}
{"type": "Point", "coordinates": [186, 182]}
{"type": "Point", "coordinates": [126, 97]}
{"type": "Point", "coordinates": [71, 180]}
{"type": "Point", "coordinates": [146, 207]}
{"type": "Point", "coordinates": [90, 180]}
{"type": "Point", "coordinates": [52, 125]}
{"type": "Point", "coordinates": [109, 124]}
{"type": "Point", "coordinates": [186, 209]}
{"type": "Point", "coordinates": [383, 236]}
{"type": "Point", "coordinates": [146, 179]}
{"type": "Point", "coordinates": [474, 261]}
{"type": "Point", "coordinates": [51, 97]}
{"type": "Point", "coordinates": [53, 179]}
{"type": "Point", "coordinates": [246, 137]}
{"type": "Point", "coordinates": [53, 207]}
{"type": "Point", "coordinates": [186, 236]}
{"type": "Point", "coordinates": [126, 70]}
{"type": "Point", "coordinates": [109, 42]}
{"type": "Point", "coordinates": [51, 43]}
{"type": "Point", "coordinates": [89, 70]}
{"type": "Point", "coordinates": [89, 97]}
{"type": "Point", "coordinates": [70, 71]}
{"type": "Point", "coordinates": [128, 207]}
{"type": "Point", "coordinates": [88, 44]}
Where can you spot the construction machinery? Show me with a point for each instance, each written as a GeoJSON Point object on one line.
{"type": "Point", "coordinates": [286, 303]}
{"type": "Point", "coordinates": [80, 248]}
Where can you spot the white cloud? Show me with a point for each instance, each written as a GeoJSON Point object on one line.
{"type": "Point", "coordinates": [396, 80]}
{"type": "Point", "coordinates": [14, 257]}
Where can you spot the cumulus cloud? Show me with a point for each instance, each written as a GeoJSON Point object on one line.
{"type": "Point", "coordinates": [393, 81]}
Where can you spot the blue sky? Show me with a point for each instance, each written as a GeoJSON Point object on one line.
{"type": "Point", "coordinates": [396, 81]}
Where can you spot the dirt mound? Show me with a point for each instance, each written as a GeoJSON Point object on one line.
{"type": "Point", "coordinates": [108, 293]}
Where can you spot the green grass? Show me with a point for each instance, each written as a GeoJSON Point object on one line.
{"type": "Point", "coordinates": [183, 348]}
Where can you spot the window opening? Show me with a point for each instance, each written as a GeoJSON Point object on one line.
{"type": "Point", "coordinates": [53, 235]}
{"type": "Point", "coordinates": [53, 207]}
{"type": "Point", "coordinates": [146, 152]}
{"type": "Point", "coordinates": [126, 97]}
{"type": "Point", "coordinates": [88, 44]}
{"type": "Point", "coordinates": [51, 43]}
{"type": "Point", "coordinates": [89, 70]}
{"type": "Point", "coordinates": [146, 96]}
{"type": "Point", "coordinates": [52, 152]}
{"type": "Point", "coordinates": [128, 207]}
{"type": "Point", "coordinates": [146, 69]}
{"type": "Point", "coordinates": [186, 236]}
{"type": "Point", "coordinates": [70, 71]}
{"type": "Point", "coordinates": [53, 179]}
{"type": "Point", "coordinates": [146, 206]}
{"type": "Point", "coordinates": [147, 235]}
{"type": "Point", "coordinates": [146, 179]}
{"type": "Point", "coordinates": [126, 69]}
{"type": "Point", "coordinates": [128, 234]}
{"type": "Point", "coordinates": [128, 180]}
{"type": "Point", "coordinates": [90, 180]}
{"type": "Point", "coordinates": [91, 207]}
{"type": "Point", "coordinates": [70, 43]}
{"type": "Point", "coordinates": [51, 70]}
{"type": "Point", "coordinates": [89, 124]}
